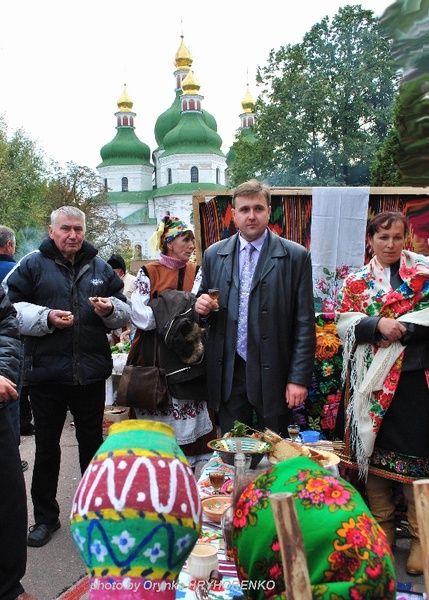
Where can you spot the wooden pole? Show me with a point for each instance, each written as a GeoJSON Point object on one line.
{"type": "Point", "coordinates": [421, 498]}
{"type": "Point", "coordinates": [295, 569]}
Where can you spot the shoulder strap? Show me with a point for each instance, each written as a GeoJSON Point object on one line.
{"type": "Point", "coordinates": [181, 278]}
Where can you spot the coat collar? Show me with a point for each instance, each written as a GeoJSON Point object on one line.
{"type": "Point", "coordinates": [273, 248]}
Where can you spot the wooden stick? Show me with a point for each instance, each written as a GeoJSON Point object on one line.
{"type": "Point", "coordinates": [295, 569]}
{"type": "Point", "coordinates": [421, 498]}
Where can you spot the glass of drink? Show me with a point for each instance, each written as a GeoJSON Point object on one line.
{"type": "Point", "coordinates": [217, 479]}
{"type": "Point", "coordinates": [214, 295]}
{"type": "Point", "coordinates": [293, 431]}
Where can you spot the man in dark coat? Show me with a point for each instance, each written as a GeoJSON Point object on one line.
{"type": "Point", "coordinates": [13, 497]}
{"type": "Point", "coordinates": [275, 375]}
{"type": "Point", "coordinates": [67, 299]}
{"type": "Point", "coordinates": [20, 411]}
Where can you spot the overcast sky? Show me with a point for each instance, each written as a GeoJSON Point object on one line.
{"type": "Point", "coordinates": [63, 64]}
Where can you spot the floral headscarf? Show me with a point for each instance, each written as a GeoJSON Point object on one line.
{"type": "Point", "coordinates": [168, 229]}
{"type": "Point", "coordinates": [347, 552]}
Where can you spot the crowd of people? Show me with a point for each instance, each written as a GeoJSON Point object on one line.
{"type": "Point", "coordinates": [59, 303]}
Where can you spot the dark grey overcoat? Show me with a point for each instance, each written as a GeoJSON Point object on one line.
{"type": "Point", "coordinates": [282, 341]}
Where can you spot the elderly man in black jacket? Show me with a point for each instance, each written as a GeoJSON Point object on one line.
{"type": "Point", "coordinates": [273, 373]}
{"type": "Point", "coordinates": [67, 300]}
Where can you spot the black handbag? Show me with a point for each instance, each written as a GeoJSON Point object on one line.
{"type": "Point", "coordinates": [144, 387]}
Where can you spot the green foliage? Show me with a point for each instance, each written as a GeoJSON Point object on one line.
{"type": "Point", "coordinates": [385, 169]}
{"type": "Point", "coordinates": [325, 105]}
{"type": "Point", "coordinates": [81, 187]}
{"type": "Point", "coordinates": [23, 181]}
{"type": "Point", "coordinates": [31, 187]}
{"type": "Point", "coordinates": [246, 161]}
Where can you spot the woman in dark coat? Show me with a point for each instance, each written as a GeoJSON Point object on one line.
{"type": "Point", "coordinates": [187, 412]}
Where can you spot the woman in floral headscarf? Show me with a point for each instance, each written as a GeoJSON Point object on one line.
{"type": "Point", "coordinates": [383, 321]}
{"type": "Point", "coordinates": [187, 413]}
{"type": "Point", "coordinates": [347, 552]}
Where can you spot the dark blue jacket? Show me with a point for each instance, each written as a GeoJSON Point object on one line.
{"type": "Point", "coordinates": [44, 280]}
{"type": "Point", "coordinates": [6, 264]}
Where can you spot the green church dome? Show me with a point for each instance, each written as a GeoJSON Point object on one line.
{"type": "Point", "coordinates": [169, 119]}
{"type": "Point", "coordinates": [125, 149]}
{"type": "Point", "coordinates": [192, 135]}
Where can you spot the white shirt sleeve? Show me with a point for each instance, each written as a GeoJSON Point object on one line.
{"type": "Point", "coordinates": [197, 281]}
{"type": "Point", "coordinates": [141, 314]}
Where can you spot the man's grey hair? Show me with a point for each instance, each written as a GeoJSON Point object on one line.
{"type": "Point", "coordinates": [68, 211]}
{"type": "Point", "coordinates": [6, 235]}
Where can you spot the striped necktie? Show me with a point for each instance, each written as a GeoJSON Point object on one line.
{"type": "Point", "coordinates": [243, 301]}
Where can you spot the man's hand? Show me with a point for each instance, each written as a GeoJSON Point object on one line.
{"type": "Point", "coordinates": [102, 306]}
{"type": "Point", "coordinates": [391, 330]}
{"type": "Point", "coordinates": [204, 305]}
{"type": "Point", "coordinates": [61, 319]}
{"type": "Point", "coordinates": [295, 394]}
{"type": "Point", "coordinates": [7, 389]}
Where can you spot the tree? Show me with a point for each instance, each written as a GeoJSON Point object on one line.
{"type": "Point", "coordinates": [24, 174]}
{"type": "Point", "coordinates": [81, 187]}
{"type": "Point", "coordinates": [246, 161]}
{"type": "Point", "coordinates": [385, 169]}
{"type": "Point", "coordinates": [325, 105]}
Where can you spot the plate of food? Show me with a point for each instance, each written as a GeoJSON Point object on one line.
{"type": "Point", "coordinates": [228, 487]}
{"type": "Point", "coordinates": [329, 459]}
{"type": "Point", "coordinates": [323, 457]}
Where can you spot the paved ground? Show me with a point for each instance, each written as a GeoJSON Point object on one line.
{"type": "Point", "coordinates": [55, 567]}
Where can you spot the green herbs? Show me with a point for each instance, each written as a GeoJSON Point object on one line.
{"type": "Point", "coordinates": [122, 348]}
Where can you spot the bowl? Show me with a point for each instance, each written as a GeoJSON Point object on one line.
{"type": "Point", "coordinates": [215, 506]}
{"type": "Point", "coordinates": [254, 449]}
{"type": "Point", "coordinates": [310, 436]}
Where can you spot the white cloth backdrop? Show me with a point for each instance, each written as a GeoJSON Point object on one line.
{"type": "Point", "coordinates": [338, 223]}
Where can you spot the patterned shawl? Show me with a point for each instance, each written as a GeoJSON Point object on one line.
{"type": "Point", "coordinates": [347, 551]}
{"type": "Point", "coordinates": [374, 372]}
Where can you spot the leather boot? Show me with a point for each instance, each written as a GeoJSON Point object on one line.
{"type": "Point", "coordinates": [415, 559]}
{"type": "Point", "coordinates": [380, 498]}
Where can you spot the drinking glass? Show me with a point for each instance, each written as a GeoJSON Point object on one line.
{"type": "Point", "coordinates": [214, 295]}
{"type": "Point", "coordinates": [293, 431]}
{"type": "Point", "coordinates": [217, 479]}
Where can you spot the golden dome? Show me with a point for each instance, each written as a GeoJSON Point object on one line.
{"type": "Point", "coordinates": [183, 58]}
{"type": "Point", "coordinates": [190, 85]}
{"type": "Point", "coordinates": [248, 103]}
{"type": "Point", "coordinates": [125, 104]}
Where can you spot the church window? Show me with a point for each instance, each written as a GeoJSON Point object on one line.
{"type": "Point", "coordinates": [194, 175]}
{"type": "Point", "coordinates": [218, 175]}
{"type": "Point", "coordinates": [125, 121]}
{"type": "Point", "coordinates": [125, 184]}
{"type": "Point", "coordinates": [169, 176]}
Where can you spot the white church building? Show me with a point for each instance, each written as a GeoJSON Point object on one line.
{"type": "Point", "coordinates": [143, 187]}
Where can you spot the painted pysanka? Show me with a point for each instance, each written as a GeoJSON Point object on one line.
{"type": "Point", "coordinates": [136, 514]}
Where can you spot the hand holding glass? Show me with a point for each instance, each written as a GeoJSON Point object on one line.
{"type": "Point", "coordinates": [214, 295]}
